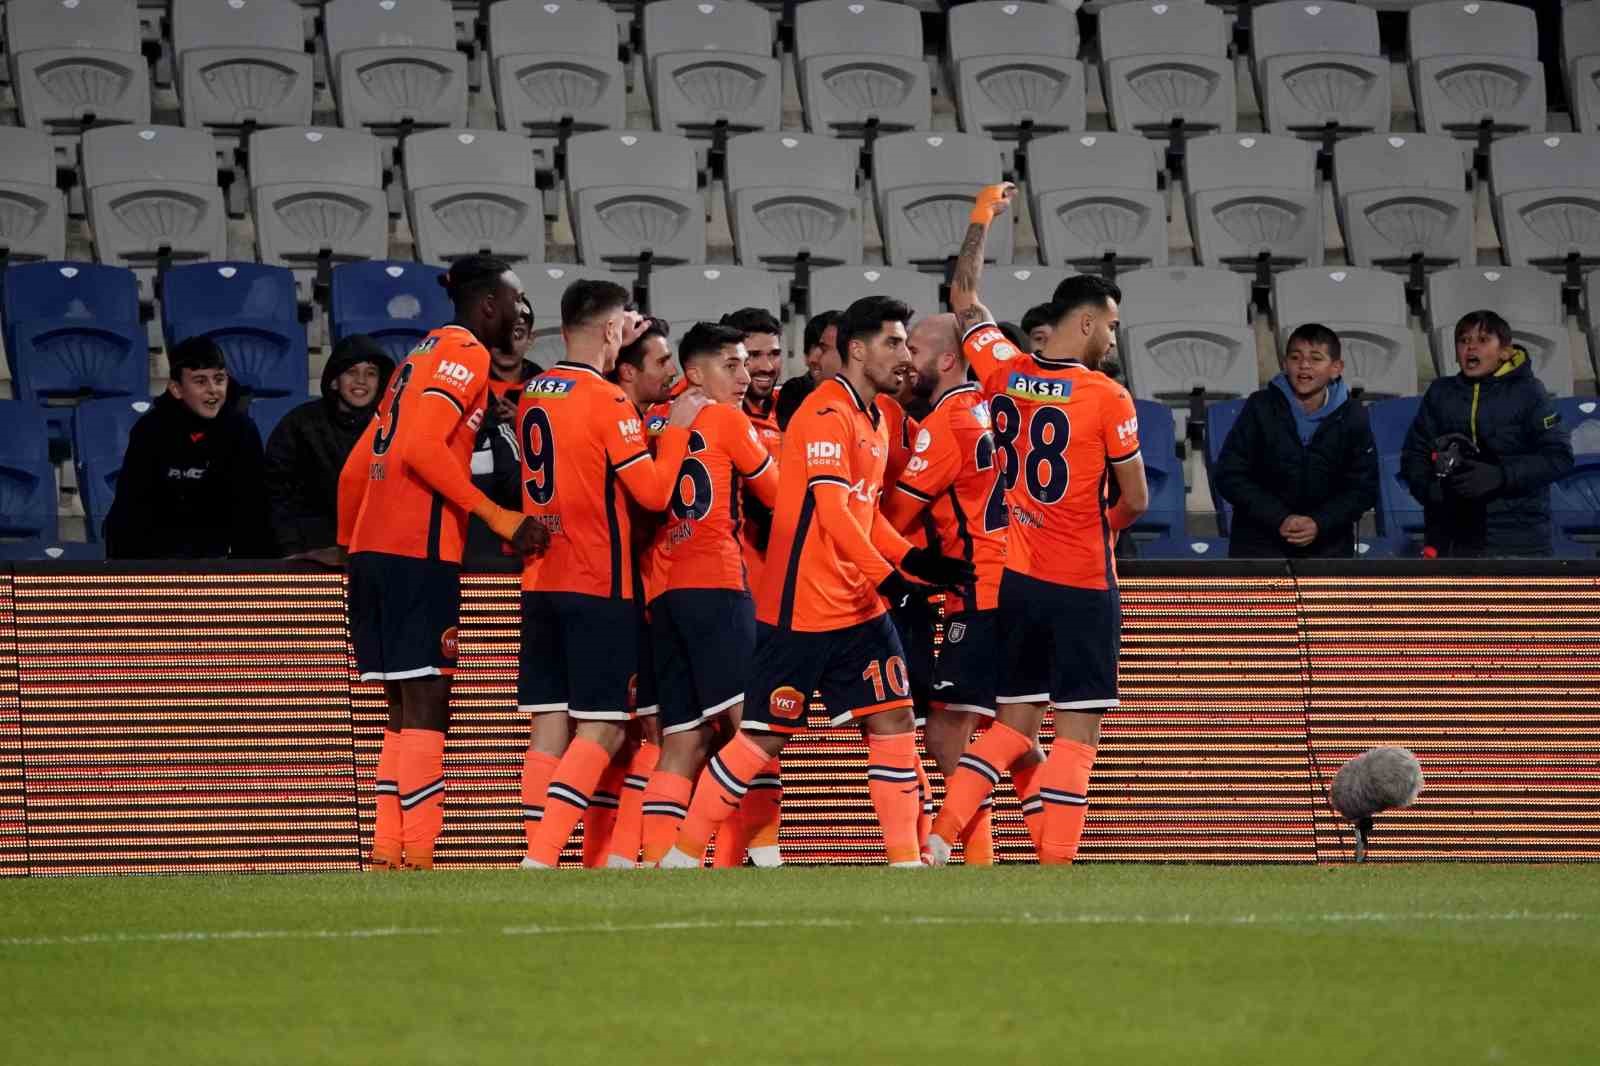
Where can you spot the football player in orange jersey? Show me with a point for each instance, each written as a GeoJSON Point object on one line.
{"type": "Point", "coordinates": [584, 456]}
{"type": "Point", "coordinates": [822, 624]}
{"type": "Point", "coordinates": [702, 618]}
{"type": "Point", "coordinates": [405, 494]}
{"type": "Point", "coordinates": [1061, 431]}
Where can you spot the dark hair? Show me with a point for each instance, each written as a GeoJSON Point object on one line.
{"type": "Point", "coordinates": [1484, 321]}
{"type": "Point", "coordinates": [196, 353]}
{"type": "Point", "coordinates": [867, 316]}
{"type": "Point", "coordinates": [707, 338]}
{"type": "Point", "coordinates": [1318, 334]}
{"type": "Point", "coordinates": [586, 300]}
{"type": "Point", "coordinates": [790, 397]}
{"type": "Point", "coordinates": [1036, 316]}
{"type": "Point", "coordinates": [1016, 336]}
{"type": "Point", "coordinates": [471, 278]}
{"type": "Point", "coordinates": [1082, 290]}
{"type": "Point", "coordinates": [817, 325]}
{"type": "Point", "coordinates": [748, 321]}
{"type": "Point", "coordinates": [633, 354]}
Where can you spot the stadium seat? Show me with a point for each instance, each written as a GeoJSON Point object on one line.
{"type": "Point", "coordinates": [100, 440]}
{"type": "Point", "coordinates": [925, 185]}
{"type": "Point", "coordinates": [317, 196]}
{"type": "Point", "coordinates": [72, 330]}
{"type": "Point", "coordinates": [1475, 68]}
{"type": "Point", "coordinates": [267, 411]}
{"type": "Point", "coordinates": [75, 65]}
{"type": "Point", "coordinates": [835, 288]}
{"type": "Point", "coordinates": [250, 311]}
{"type": "Point", "coordinates": [1530, 302]}
{"type": "Point", "coordinates": [33, 211]}
{"type": "Point", "coordinates": [1220, 417]}
{"type": "Point", "coordinates": [1253, 202]}
{"type": "Point", "coordinates": [394, 64]}
{"type": "Point", "coordinates": [1096, 201]}
{"type": "Point", "coordinates": [1580, 60]}
{"type": "Point", "coordinates": [1367, 309]}
{"type": "Point", "coordinates": [1185, 334]}
{"type": "Point", "coordinates": [684, 295]}
{"type": "Point", "coordinates": [1575, 499]}
{"type": "Point", "coordinates": [554, 67]}
{"type": "Point", "coordinates": [544, 283]}
{"type": "Point", "coordinates": [1008, 292]}
{"type": "Point", "coordinates": [792, 195]}
{"type": "Point", "coordinates": [1319, 68]}
{"type": "Point", "coordinates": [473, 191]}
{"type": "Point", "coordinates": [860, 67]}
{"type": "Point", "coordinates": [710, 64]}
{"type": "Point", "coordinates": [396, 304]}
{"type": "Point", "coordinates": [1546, 199]}
{"type": "Point", "coordinates": [1164, 64]}
{"type": "Point", "coordinates": [1399, 515]}
{"type": "Point", "coordinates": [45, 550]}
{"type": "Point", "coordinates": [1591, 303]}
{"type": "Point", "coordinates": [633, 194]}
{"type": "Point", "coordinates": [1402, 201]}
{"type": "Point", "coordinates": [1163, 473]}
{"type": "Point", "coordinates": [27, 480]}
{"type": "Point", "coordinates": [1015, 68]}
{"type": "Point", "coordinates": [152, 196]}
{"type": "Point", "coordinates": [240, 63]}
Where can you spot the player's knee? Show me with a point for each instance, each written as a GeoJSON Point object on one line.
{"type": "Point", "coordinates": [608, 735]}
{"type": "Point", "coordinates": [946, 738]}
{"type": "Point", "coordinates": [1079, 726]}
{"type": "Point", "coordinates": [550, 733]}
{"type": "Point", "coordinates": [887, 723]}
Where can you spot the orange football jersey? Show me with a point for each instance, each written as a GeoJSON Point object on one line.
{"type": "Point", "coordinates": [1058, 429]}
{"type": "Point", "coordinates": [583, 446]}
{"type": "Point", "coordinates": [766, 422]}
{"type": "Point", "coordinates": [406, 488]}
{"type": "Point", "coordinates": [953, 477]}
{"type": "Point", "coordinates": [902, 430]}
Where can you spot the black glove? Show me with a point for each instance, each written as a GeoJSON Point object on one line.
{"type": "Point", "coordinates": [941, 571]}
{"type": "Point", "coordinates": [901, 593]}
{"type": "Point", "coordinates": [1474, 480]}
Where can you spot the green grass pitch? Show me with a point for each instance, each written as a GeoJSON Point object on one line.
{"type": "Point", "coordinates": [1093, 964]}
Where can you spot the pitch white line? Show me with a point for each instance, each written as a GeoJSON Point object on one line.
{"type": "Point", "coordinates": [702, 924]}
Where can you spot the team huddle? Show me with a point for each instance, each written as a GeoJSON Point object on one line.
{"type": "Point", "coordinates": [697, 579]}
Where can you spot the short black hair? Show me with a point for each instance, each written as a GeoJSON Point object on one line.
{"type": "Point", "coordinates": [1036, 316]}
{"type": "Point", "coordinates": [471, 278]}
{"type": "Point", "coordinates": [1016, 335]}
{"type": "Point", "coordinates": [1484, 321]}
{"type": "Point", "coordinates": [196, 353]}
{"type": "Point", "coordinates": [1317, 334]}
{"type": "Point", "coordinates": [750, 320]}
{"type": "Point", "coordinates": [867, 316]}
{"type": "Point", "coordinates": [588, 299]}
{"type": "Point", "coordinates": [633, 354]}
{"type": "Point", "coordinates": [817, 325]}
{"type": "Point", "coordinates": [1082, 290]}
{"type": "Point", "coordinates": [707, 338]}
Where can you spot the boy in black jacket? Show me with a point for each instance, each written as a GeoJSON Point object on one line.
{"type": "Point", "coordinates": [1300, 466]}
{"type": "Point", "coordinates": [1484, 449]}
{"type": "Point", "coordinates": [191, 484]}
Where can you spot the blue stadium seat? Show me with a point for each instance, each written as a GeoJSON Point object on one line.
{"type": "Point", "coordinates": [27, 480]}
{"type": "Point", "coordinates": [48, 550]}
{"type": "Point", "coordinates": [1162, 473]}
{"type": "Point", "coordinates": [72, 331]}
{"type": "Point", "coordinates": [1399, 513]}
{"type": "Point", "coordinates": [267, 411]}
{"type": "Point", "coordinates": [101, 440]}
{"type": "Point", "coordinates": [1220, 418]}
{"type": "Point", "coordinates": [1575, 499]}
{"type": "Point", "coordinates": [251, 312]}
{"type": "Point", "coordinates": [1182, 546]}
{"type": "Point", "coordinates": [396, 304]}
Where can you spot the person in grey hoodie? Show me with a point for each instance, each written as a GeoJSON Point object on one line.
{"type": "Point", "coordinates": [1299, 467]}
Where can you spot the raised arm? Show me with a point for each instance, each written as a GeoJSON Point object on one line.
{"type": "Point", "coordinates": [965, 282]}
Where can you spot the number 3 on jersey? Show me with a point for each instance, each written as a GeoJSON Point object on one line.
{"type": "Point", "coordinates": [383, 439]}
{"type": "Point", "coordinates": [539, 452]}
{"type": "Point", "coordinates": [1047, 474]}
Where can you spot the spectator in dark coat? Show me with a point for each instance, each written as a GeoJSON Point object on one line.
{"type": "Point", "coordinates": [496, 457]}
{"type": "Point", "coordinates": [308, 448]}
{"type": "Point", "coordinates": [1495, 499]}
{"type": "Point", "coordinates": [191, 484]}
{"type": "Point", "coordinates": [1299, 466]}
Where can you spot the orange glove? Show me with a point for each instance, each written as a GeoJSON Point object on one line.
{"type": "Point", "coordinates": [504, 523]}
{"type": "Point", "coordinates": [991, 201]}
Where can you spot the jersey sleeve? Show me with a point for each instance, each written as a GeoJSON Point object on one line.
{"type": "Point", "coordinates": [1119, 426]}
{"type": "Point", "coordinates": [648, 479]}
{"type": "Point", "coordinates": [353, 482]}
{"type": "Point", "coordinates": [986, 348]}
{"type": "Point", "coordinates": [460, 376]}
{"type": "Point", "coordinates": [751, 460]}
{"type": "Point", "coordinates": [935, 462]}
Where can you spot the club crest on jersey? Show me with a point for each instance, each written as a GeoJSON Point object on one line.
{"type": "Point", "coordinates": [544, 387]}
{"type": "Point", "coordinates": [1041, 390]}
{"type": "Point", "coordinates": [787, 702]}
{"type": "Point", "coordinates": [956, 633]}
{"type": "Point", "coordinates": [450, 642]}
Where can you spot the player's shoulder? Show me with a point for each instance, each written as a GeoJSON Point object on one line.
{"type": "Point", "coordinates": [457, 343]}
{"type": "Point", "coordinates": [724, 421]}
{"type": "Point", "coordinates": [963, 410]}
{"type": "Point", "coordinates": [1102, 386]}
{"type": "Point", "coordinates": [829, 400]}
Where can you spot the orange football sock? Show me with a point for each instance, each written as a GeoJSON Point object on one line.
{"type": "Point", "coordinates": [387, 844]}
{"type": "Point", "coordinates": [666, 803]}
{"type": "Point", "coordinates": [1064, 788]}
{"type": "Point", "coordinates": [896, 796]}
{"type": "Point", "coordinates": [1025, 779]}
{"type": "Point", "coordinates": [978, 838]}
{"type": "Point", "coordinates": [979, 771]}
{"type": "Point", "coordinates": [722, 786]}
{"type": "Point", "coordinates": [537, 766]}
{"type": "Point", "coordinates": [600, 818]}
{"type": "Point", "coordinates": [924, 807]}
{"type": "Point", "coordinates": [421, 793]}
{"type": "Point", "coordinates": [762, 809]}
{"type": "Point", "coordinates": [567, 798]}
{"type": "Point", "coordinates": [728, 846]}
{"type": "Point", "coordinates": [625, 837]}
